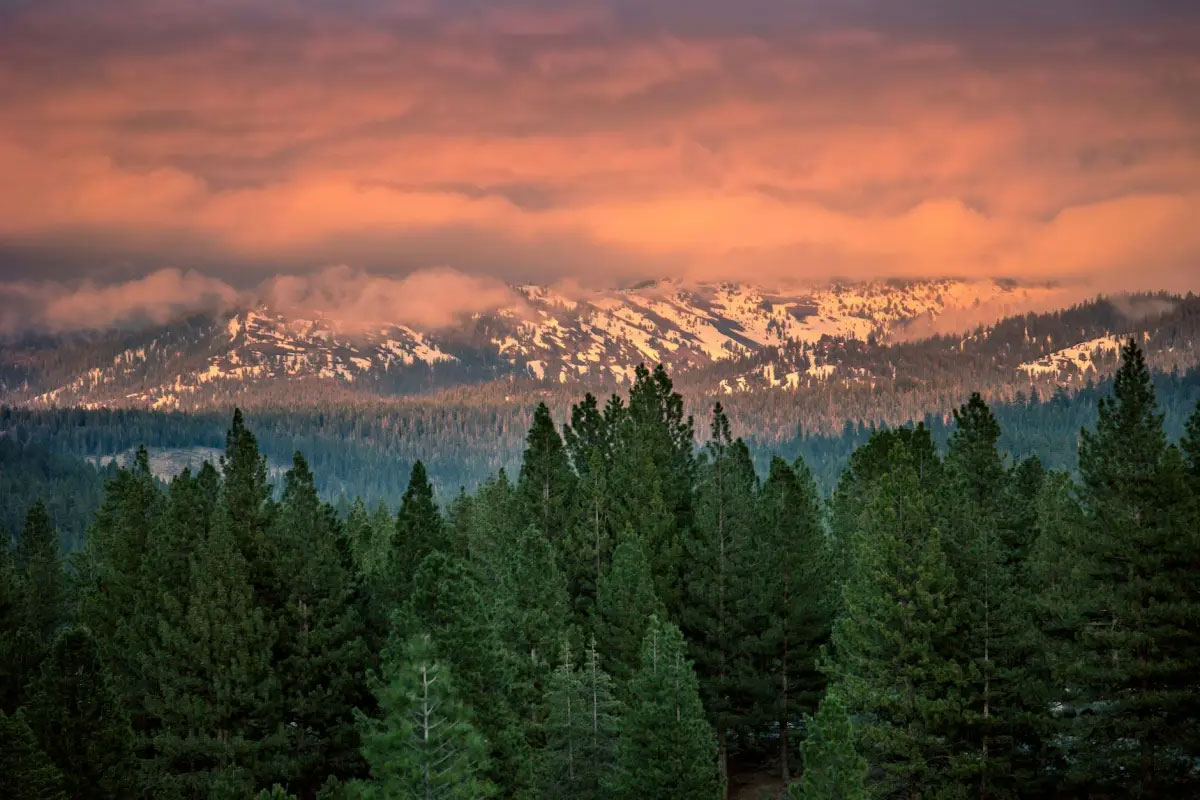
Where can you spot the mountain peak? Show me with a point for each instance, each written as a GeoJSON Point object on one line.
{"type": "Point", "coordinates": [546, 334]}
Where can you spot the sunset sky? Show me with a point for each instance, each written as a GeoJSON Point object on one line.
{"type": "Point", "coordinates": [198, 148]}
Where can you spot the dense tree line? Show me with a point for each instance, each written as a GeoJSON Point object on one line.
{"type": "Point", "coordinates": [626, 617]}
{"type": "Point", "coordinates": [367, 451]}
{"type": "Point", "coordinates": [70, 488]}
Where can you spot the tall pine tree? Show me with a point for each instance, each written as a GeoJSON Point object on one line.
{"type": "Point", "coordinates": [667, 748]}
{"type": "Point", "coordinates": [425, 744]}
{"type": "Point", "coordinates": [625, 602]}
{"type": "Point", "coordinates": [833, 769]}
{"type": "Point", "coordinates": [547, 483]}
{"type": "Point", "coordinates": [891, 644]}
{"type": "Point", "coordinates": [717, 611]}
{"type": "Point", "coordinates": [577, 757]}
{"type": "Point", "coordinates": [320, 653]}
{"type": "Point", "coordinates": [77, 718]}
{"type": "Point", "coordinates": [996, 640]}
{"type": "Point", "coordinates": [25, 771]}
{"type": "Point", "coordinates": [791, 584]}
{"type": "Point", "coordinates": [1138, 657]}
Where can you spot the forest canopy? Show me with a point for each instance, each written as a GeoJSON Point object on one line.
{"type": "Point", "coordinates": [625, 616]}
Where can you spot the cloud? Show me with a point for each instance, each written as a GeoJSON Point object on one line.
{"type": "Point", "coordinates": [354, 300]}
{"type": "Point", "coordinates": [359, 302]}
{"type": "Point", "coordinates": [155, 298]}
{"type": "Point", "coordinates": [1021, 300]}
{"type": "Point", "coordinates": [603, 141]}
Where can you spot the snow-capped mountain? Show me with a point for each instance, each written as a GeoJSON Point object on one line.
{"type": "Point", "coordinates": [736, 337]}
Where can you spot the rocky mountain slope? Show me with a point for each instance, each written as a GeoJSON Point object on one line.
{"type": "Point", "coordinates": [735, 337]}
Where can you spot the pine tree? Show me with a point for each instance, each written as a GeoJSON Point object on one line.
{"type": "Point", "coordinates": [419, 532]}
{"type": "Point", "coordinates": [890, 644]}
{"type": "Point", "coordinates": [531, 611]}
{"type": "Point", "coordinates": [1059, 573]}
{"type": "Point", "coordinates": [625, 602]}
{"type": "Point", "coordinates": [667, 748]}
{"type": "Point", "coordinates": [868, 464]}
{"type": "Point", "coordinates": [363, 542]}
{"type": "Point", "coordinates": [40, 595]}
{"type": "Point", "coordinates": [77, 718]}
{"type": "Point", "coordinates": [588, 547]}
{"type": "Point", "coordinates": [589, 437]}
{"type": "Point", "coordinates": [39, 558]}
{"type": "Point", "coordinates": [447, 604]}
{"type": "Point", "coordinates": [603, 713]}
{"type": "Point", "coordinates": [546, 483]}
{"type": "Point", "coordinates": [653, 472]}
{"type": "Point", "coordinates": [119, 590]}
{"type": "Point", "coordinates": [25, 771]}
{"type": "Point", "coordinates": [833, 769]}
{"type": "Point", "coordinates": [790, 584]}
{"type": "Point", "coordinates": [1138, 660]}
{"type": "Point", "coordinates": [1190, 443]}
{"type": "Point", "coordinates": [490, 529]}
{"type": "Point", "coordinates": [12, 678]}
{"type": "Point", "coordinates": [425, 745]}
{"type": "Point", "coordinates": [320, 653]}
{"type": "Point", "coordinates": [246, 495]}
{"type": "Point", "coordinates": [997, 640]}
{"type": "Point", "coordinates": [577, 757]}
{"type": "Point", "coordinates": [211, 689]}
{"type": "Point", "coordinates": [717, 607]}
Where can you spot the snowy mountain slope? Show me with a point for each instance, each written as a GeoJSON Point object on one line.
{"type": "Point", "coordinates": [541, 336]}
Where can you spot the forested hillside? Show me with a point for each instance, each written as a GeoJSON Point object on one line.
{"type": "Point", "coordinates": [71, 489]}
{"type": "Point", "coordinates": [627, 616]}
{"type": "Point", "coordinates": [367, 451]}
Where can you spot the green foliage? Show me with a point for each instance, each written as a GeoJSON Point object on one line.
{"type": "Point", "coordinates": [792, 594]}
{"type": "Point", "coordinates": [996, 643]}
{"type": "Point", "coordinates": [419, 532]}
{"type": "Point", "coordinates": [25, 771]}
{"type": "Point", "coordinates": [546, 483]}
{"type": "Point", "coordinates": [1138, 647]}
{"type": "Point", "coordinates": [667, 748]}
{"type": "Point", "coordinates": [717, 601]}
{"type": "Point", "coordinates": [36, 599]}
{"type": "Point", "coordinates": [578, 755]}
{"type": "Point", "coordinates": [424, 745]}
{"type": "Point", "coordinates": [588, 545]}
{"type": "Point", "coordinates": [998, 630]}
{"type": "Point", "coordinates": [833, 769]}
{"type": "Point", "coordinates": [447, 604]}
{"type": "Point", "coordinates": [212, 689]}
{"type": "Point", "coordinates": [320, 654]}
{"type": "Point", "coordinates": [39, 558]}
{"type": "Point", "coordinates": [1190, 443]}
{"type": "Point", "coordinates": [891, 643]}
{"type": "Point", "coordinates": [78, 719]}
{"type": "Point", "coordinates": [653, 468]}
{"type": "Point", "coordinates": [12, 677]}
{"type": "Point", "coordinates": [625, 602]}
{"type": "Point", "coordinates": [71, 489]}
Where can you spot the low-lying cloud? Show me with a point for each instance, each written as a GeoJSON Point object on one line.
{"type": "Point", "coordinates": [156, 298]}
{"type": "Point", "coordinates": [358, 301]}
{"type": "Point", "coordinates": [354, 300]}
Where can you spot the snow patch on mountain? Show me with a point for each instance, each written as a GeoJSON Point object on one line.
{"type": "Point", "coordinates": [1080, 357]}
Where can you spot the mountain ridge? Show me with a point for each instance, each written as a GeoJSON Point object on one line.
{"type": "Point", "coordinates": [726, 337]}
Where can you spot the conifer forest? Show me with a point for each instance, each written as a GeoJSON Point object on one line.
{"type": "Point", "coordinates": [637, 613]}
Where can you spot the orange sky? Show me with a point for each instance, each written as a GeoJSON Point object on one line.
{"type": "Point", "coordinates": [597, 142]}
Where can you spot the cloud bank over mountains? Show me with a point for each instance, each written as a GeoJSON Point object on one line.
{"type": "Point", "coordinates": [596, 141]}
{"type": "Point", "coordinates": [358, 301]}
